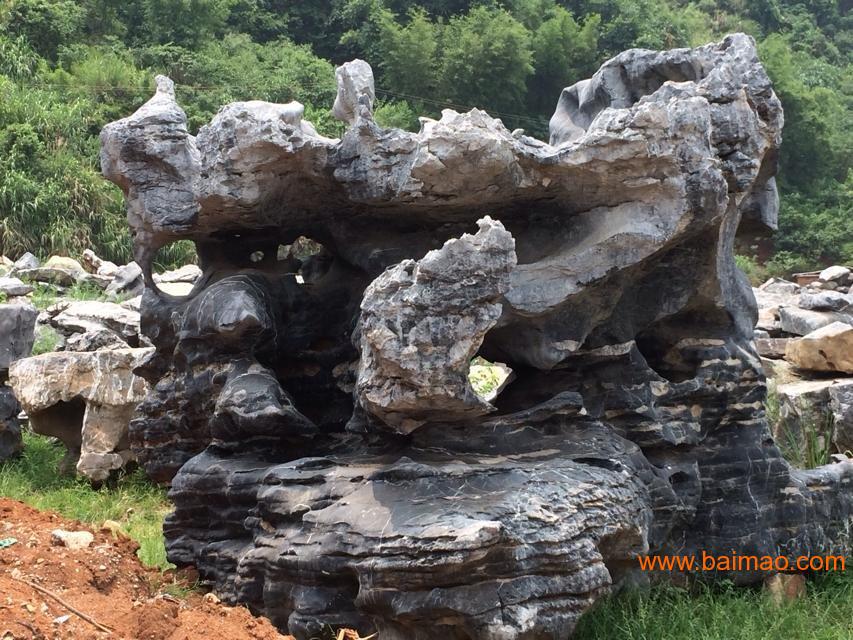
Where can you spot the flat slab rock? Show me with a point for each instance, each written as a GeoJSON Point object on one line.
{"type": "Point", "coordinates": [330, 463]}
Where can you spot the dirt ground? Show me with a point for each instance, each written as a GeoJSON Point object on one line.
{"type": "Point", "coordinates": [105, 582]}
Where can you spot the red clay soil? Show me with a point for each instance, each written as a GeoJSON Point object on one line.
{"type": "Point", "coordinates": [105, 582]}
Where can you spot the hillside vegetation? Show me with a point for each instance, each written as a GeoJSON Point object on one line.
{"type": "Point", "coordinates": [67, 67]}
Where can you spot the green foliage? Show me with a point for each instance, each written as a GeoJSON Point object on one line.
{"type": "Point", "coordinates": [43, 296]}
{"type": "Point", "coordinates": [175, 255]}
{"type": "Point", "coordinates": [809, 444]}
{"type": "Point", "coordinates": [84, 291]}
{"type": "Point", "coordinates": [396, 114]}
{"type": "Point", "coordinates": [47, 340]}
{"type": "Point", "coordinates": [187, 23]}
{"type": "Point", "coordinates": [45, 24]}
{"type": "Point", "coordinates": [755, 272]}
{"type": "Point", "coordinates": [235, 68]}
{"type": "Point", "coordinates": [724, 613]}
{"type": "Point", "coordinates": [409, 53]}
{"type": "Point", "coordinates": [486, 59]}
{"type": "Point", "coordinates": [132, 501]}
{"type": "Point", "coordinates": [485, 377]}
{"type": "Point", "coordinates": [564, 52]}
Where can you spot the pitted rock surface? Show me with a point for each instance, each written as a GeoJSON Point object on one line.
{"type": "Point", "coordinates": [328, 463]}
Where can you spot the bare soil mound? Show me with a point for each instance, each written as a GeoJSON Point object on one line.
{"type": "Point", "coordinates": [104, 582]}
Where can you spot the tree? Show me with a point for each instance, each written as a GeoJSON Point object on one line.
{"type": "Point", "coordinates": [45, 24]}
{"type": "Point", "coordinates": [563, 53]}
{"type": "Point", "coordinates": [184, 22]}
{"type": "Point", "coordinates": [486, 60]}
{"type": "Point", "coordinates": [409, 61]}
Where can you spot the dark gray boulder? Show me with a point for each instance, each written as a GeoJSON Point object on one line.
{"type": "Point", "coordinates": [17, 333]}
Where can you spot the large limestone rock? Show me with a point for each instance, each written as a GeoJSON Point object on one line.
{"type": "Point", "coordinates": [815, 414]}
{"type": "Point", "coordinates": [86, 400]}
{"type": "Point", "coordinates": [58, 270]}
{"type": "Point", "coordinates": [634, 423]}
{"type": "Point", "coordinates": [187, 274]}
{"type": "Point", "coordinates": [63, 263]}
{"type": "Point", "coordinates": [829, 348]}
{"type": "Point", "coordinates": [834, 274]}
{"type": "Point", "coordinates": [126, 281]}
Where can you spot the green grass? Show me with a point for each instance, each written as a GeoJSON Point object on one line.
{"type": "Point", "coordinates": [46, 340]}
{"type": "Point", "coordinates": [725, 613]}
{"type": "Point", "coordinates": [84, 291]}
{"type": "Point", "coordinates": [44, 296]}
{"type": "Point", "coordinates": [137, 504]}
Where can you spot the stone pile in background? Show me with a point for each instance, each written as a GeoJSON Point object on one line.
{"type": "Point", "coordinates": [804, 335]}
{"type": "Point", "coordinates": [79, 387]}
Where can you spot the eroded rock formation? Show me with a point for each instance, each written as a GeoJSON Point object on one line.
{"type": "Point", "coordinates": [329, 462]}
{"type": "Point", "coordinates": [85, 399]}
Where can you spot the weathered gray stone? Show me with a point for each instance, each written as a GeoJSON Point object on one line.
{"type": "Point", "coordinates": [801, 322]}
{"type": "Point", "coordinates": [84, 399]}
{"type": "Point", "coordinates": [11, 443]}
{"type": "Point", "coordinates": [807, 409]}
{"type": "Point", "coordinates": [771, 347]}
{"type": "Point", "coordinates": [17, 326]}
{"type": "Point", "coordinates": [97, 266]}
{"type": "Point", "coordinates": [62, 263]}
{"type": "Point", "coordinates": [780, 286]}
{"type": "Point", "coordinates": [86, 316]}
{"type": "Point", "coordinates": [835, 273]}
{"type": "Point", "coordinates": [26, 261]}
{"type": "Point", "coordinates": [825, 301]}
{"type": "Point", "coordinates": [74, 540]}
{"type": "Point", "coordinates": [94, 339]}
{"type": "Point", "coordinates": [58, 277]}
{"type": "Point", "coordinates": [95, 281]}
{"type": "Point", "coordinates": [13, 286]}
{"type": "Point", "coordinates": [634, 423]}
{"type": "Point", "coordinates": [126, 281]}
{"type": "Point", "coordinates": [175, 288]}
{"type": "Point", "coordinates": [355, 92]}
{"type": "Point", "coordinates": [829, 348]}
{"type": "Point", "coordinates": [188, 273]}
{"type": "Point", "coordinates": [422, 323]}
